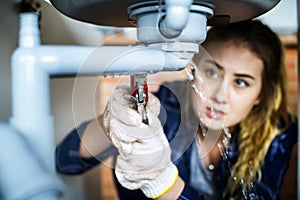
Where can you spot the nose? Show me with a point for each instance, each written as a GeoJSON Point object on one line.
{"type": "Point", "coordinates": [219, 93]}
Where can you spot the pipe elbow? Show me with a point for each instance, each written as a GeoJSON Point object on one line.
{"type": "Point", "coordinates": [175, 18]}
{"type": "Point", "coordinates": [22, 175]}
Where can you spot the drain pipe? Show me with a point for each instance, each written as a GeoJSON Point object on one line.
{"type": "Point", "coordinates": [22, 175]}
{"type": "Point", "coordinates": [30, 92]}
{"type": "Point", "coordinates": [175, 18]}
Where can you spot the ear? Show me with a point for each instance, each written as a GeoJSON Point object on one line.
{"type": "Point", "coordinates": [257, 101]}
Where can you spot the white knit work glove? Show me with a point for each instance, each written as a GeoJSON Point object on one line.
{"type": "Point", "coordinates": [144, 161]}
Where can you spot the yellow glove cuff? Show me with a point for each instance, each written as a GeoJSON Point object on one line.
{"type": "Point", "coordinates": [162, 184]}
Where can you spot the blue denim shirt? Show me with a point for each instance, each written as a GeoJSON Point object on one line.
{"type": "Point", "coordinates": [275, 163]}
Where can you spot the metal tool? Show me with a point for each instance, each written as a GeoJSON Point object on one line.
{"type": "Point", "coordinates": [139, 89]}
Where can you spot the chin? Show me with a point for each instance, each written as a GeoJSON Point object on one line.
{"type": "Point", "coordinates": [214, 124]}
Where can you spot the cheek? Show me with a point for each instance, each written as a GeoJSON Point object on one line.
{"type": "Point", "coordinates": [237, 114]}
{"type": "Point", "coordinates": [239, 108]}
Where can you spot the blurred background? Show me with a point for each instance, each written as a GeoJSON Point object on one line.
{"type": "Point", "coordinates": [59, 29]}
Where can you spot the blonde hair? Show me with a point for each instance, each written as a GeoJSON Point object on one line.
{"type": "Point", "coordinates": [261, 125]}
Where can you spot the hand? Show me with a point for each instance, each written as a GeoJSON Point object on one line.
{"type": "Point", "coordinates": [144, 161]}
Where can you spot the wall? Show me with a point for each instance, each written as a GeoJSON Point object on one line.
{"type": "Point", "coordinates": [289, 188]}
{"type": "Point", "coordinates": [8, 41]}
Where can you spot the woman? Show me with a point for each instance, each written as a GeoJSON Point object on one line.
{"type": "Point", "coordinates": [229, 128]}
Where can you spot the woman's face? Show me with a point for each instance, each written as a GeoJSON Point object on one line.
{"type": "Point", "coordinates": [233, 80]}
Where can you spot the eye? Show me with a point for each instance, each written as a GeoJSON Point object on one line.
{"type": "Point", "coordinates": [211, 73]}
{"type": "Point", "coordinates": [241, 83]}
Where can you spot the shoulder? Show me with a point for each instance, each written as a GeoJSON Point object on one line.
{"type": "Point", "coordinates": [284, 142]}
{"type": "Point", "coordinates": [288, 137]}
{"type": "Point", "coordinates": [171, 99]}
{"type": "Point", "coordinates": [172, 93]}
{"type": "Point", "coordinates": [173, 88]}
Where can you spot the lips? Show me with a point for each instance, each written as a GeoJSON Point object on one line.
{"type": "Point", "coordinates": [214, 113]}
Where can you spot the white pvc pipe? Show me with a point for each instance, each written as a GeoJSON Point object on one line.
{"type": "Point", "coordinates": [30, 94]}
{"type": "Point", "coordinates": [29, 34]}
{"type": "Point", "coordinates": [153, 25]}
{"type": "Point", "coordinates": [22, 175]}
{"type": "Point", "coordinates": [31, 68]}
{"type": "Point", "coordinates": [101, 60]}
{"type": "Point", "coordinates": [176, 17]}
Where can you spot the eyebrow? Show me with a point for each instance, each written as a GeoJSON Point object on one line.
{"type": "Point", "coordinates": [236, 74]}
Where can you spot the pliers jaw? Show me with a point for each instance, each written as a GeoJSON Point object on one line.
{"type": "Point", "coordinates": [139, 89]}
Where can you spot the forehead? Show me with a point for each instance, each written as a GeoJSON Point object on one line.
{"type": "Point", "coordinates": [237, 58]}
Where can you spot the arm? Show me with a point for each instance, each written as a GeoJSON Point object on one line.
{"type": "Point", "coordinates": [180, 191]}
{"type": "Point", "coordinates": [93, 140]}
{"type": "Point", "coordinates": [83, 148]}
{"type": "Point", "coordinates": [175, 191]}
